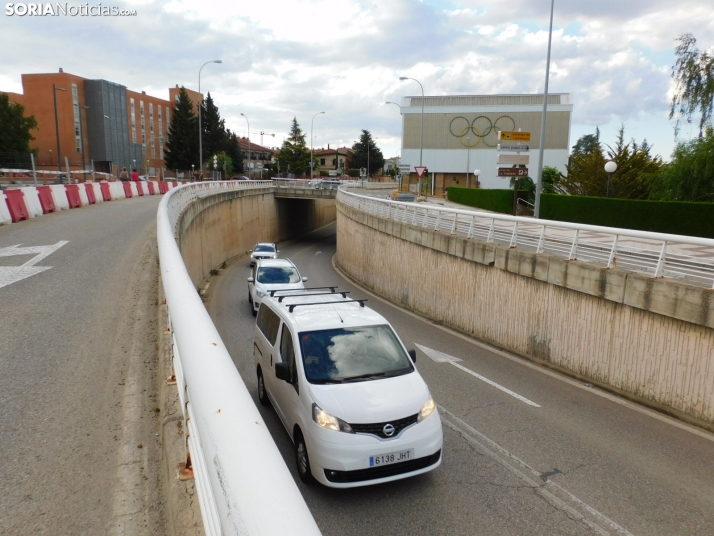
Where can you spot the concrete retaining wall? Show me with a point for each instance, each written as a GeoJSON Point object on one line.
{"type": "Point", "coordinates": [217, 228]}
{"type": "Point", "coordinates": [649, 339]}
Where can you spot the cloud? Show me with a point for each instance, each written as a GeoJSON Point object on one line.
{"type": "Point", "coordinates": [283, 59]}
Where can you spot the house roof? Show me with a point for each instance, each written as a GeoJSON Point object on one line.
{"type": "Point", "coordinates": [243, 143]}
{"type": "Point", "coordinates": [344, 151]}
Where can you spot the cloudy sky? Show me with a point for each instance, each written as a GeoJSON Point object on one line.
{"type": "Point", "coordinates": [293, 58]}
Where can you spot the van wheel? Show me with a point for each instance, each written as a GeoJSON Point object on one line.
{"type": "Point", "coordinates": [302, 460]}
{"type": "Point", "coordinates": [262, 393]}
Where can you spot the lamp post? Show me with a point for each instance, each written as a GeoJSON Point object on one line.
{"type": "Point", "coordinates": [477, 172]}
{"type": "Point", "coordinates": [312, 163]}
{"type": "Point", "coordinates": [541, 149]}
{"type": "Point", "coordinates": [468, 159]}
{"type": "Point", "coordinates": [55, 89]}
{"type": "Point", "coordinates": [610, 168]}
{"type": "Point", "coordinates": [421, 139]}
{"type": "Point", "coordinates": [246, 120]}
{"type": "Point", "coordinates": [200, 105]}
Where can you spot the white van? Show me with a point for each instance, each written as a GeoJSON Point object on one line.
{"type": "Point", "coordinates": [345, 388]}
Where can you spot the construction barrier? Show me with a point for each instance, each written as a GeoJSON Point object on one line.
{"type": "Point", "coordinates": [106, 192]}
{"type": "Point", "coordinates": [15, 200]}
{"type": "Point", "coordinates": [44, 193]}
{"type": "Point", "coordinates": [32, 201]}
{"type": "Point", "coordinates": [89, 192]}
{"type": "Point", "coordinates": [17, 204]}
{"type": "Point", "coordinates": [82, 192]}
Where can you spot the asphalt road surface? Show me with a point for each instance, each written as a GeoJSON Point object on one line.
{"type": "Point", "coordinates": [79, 445]}
{"type": "Point", "coordinates": [526, 450]}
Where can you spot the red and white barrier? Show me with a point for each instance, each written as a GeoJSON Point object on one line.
{"type": "Point", "coordinates": [17, 204]}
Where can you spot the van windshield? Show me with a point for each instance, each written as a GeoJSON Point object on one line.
{"type": "Point", "coordinates": [263, 248]}
{"type": "Point", "coordinates": [271, 275]}
{"type": "Point", "coordinates": [353, 354]}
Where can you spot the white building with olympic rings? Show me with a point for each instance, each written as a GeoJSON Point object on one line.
{"type": "Point", "coordinates": [461, 134]}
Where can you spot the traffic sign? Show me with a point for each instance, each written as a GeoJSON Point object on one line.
{"type": "Point", "coordinates": [514, 147]}
{"type": "Point", "coordinates": [420, 170]}
{"type": "Point", "coordinates": [516, 159]}
{"type": "Point", "coordinates": [404, 169]}
{"type": "Point", "coordinates": [512, 172]}
{"type": "Point", "coordinates": [511, 135]}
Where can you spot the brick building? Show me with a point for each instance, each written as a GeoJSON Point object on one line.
{"type": "Point", "coordinates": [97, 122]}
{"type": "Point", "coordinates": [334, 160]}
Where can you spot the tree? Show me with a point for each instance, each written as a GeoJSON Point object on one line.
{"type": "Point", "coordinates": [359, 154]}
{"type": "Point", "coordinates": [294, 154]}
{"type": "Point", "coordinates": [693, 75]}
{"type": "Point", "coordinates": [690, 174]}
{"type": "Point", "coordinates": [15, 136]}
{"type": "Point", "coordinates": [214, 130]}
{"type": "Point", "coordinates": [587, 176]}
{"type": "Point", "coordinates": [587, 143]}
{"type": "Point", "coordinates": [182, 144]}
{"type": "Point", "coordinates": [233, 151]}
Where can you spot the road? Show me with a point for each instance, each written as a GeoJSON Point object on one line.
{"type": "Point", "coordinates": [526, 450]}
{"type": "Point", "coordinates": [79, 444]}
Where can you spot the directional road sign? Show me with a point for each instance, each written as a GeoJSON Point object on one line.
{"type": "Point", "coordinates": [511, 135]}
{"type": "Point", "coordinates": [404, 169]}
{"type": "Point", "coordinates": [512, 172]}
{"type": "Point", "coordinates": [420, 170]}
{"type": "Point", "coordinates": [515, 159]}
{"type": "Point", "coordinates": [514, 147]}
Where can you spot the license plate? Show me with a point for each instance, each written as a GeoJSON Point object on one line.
{"type": "Point", "coordinates": [392, 457]}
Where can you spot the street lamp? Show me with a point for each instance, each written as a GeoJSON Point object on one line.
{"type": "Point", "coordinates": [421, 140]}
{"type": "Point", "coordinates": [246, 119]}
{"type": "Point", "coordinates": [200, 105]}
{"type": "Point", "coordinates": [55, 89]}
{"type": "Point", "coordinates": [468, 159]}
{"type": "Point", "coordinates": [477, 172]}
{"type": "Point", "coordinates": [312, 163]}
{"type": "Point", "coordinates": [610, 168]}
{"type": "Point", "coordinates": [541, 149]}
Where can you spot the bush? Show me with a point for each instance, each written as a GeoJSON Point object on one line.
{"type": "Point", "coordinates": [673, 217]}
{"type": "Point", "coordinates": [354, 172]}
{"type": "Point", "coordinates": [495, 200]}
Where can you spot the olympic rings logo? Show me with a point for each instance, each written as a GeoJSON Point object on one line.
{"type": "Point", "coordinates": [481, 127]}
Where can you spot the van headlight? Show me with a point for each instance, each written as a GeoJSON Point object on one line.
{"type": "Point", "coordinates": [260, 293]}
{"type": "Point", "coordinates": [324, 419]}
{"type": "Point", "coordinates": [427, 409]}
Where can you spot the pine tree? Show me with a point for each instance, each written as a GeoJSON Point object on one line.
{"type": "Point", "coordinates": [360, 157]}
{"type": "Point", "coordinates": [232, 150]}
{"type": "Point", "coordinates": [214, 130]}
{"type": "Point", "coordinates": [182, 145]}
{"type": "Point", "coordinates": [294, 154]}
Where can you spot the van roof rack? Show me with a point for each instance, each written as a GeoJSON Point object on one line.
{"type": "Point", "coordinates": [291, 306]}
{"type": "Point", "coordinates": [344, 295]}
{"type": "Point", "coordinates": [333, 289]}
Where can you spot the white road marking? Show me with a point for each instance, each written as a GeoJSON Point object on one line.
{"type": "Point", "coordinates": [556, 495]}
{"type": "Point", "coordinates": [13, 274]}
{"type": "Point", "coordinates": [318, 253]}
{"type": "Point", "coordinates": [440, 357]}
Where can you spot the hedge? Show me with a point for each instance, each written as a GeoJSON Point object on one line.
{"type": "Point", "coordinates": [495, 200]}
{"type": "Point", "coordinates": [673, 217]}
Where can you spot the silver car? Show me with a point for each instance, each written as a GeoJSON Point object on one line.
{"type": "Point", "coordinates": [272, 274]}
{"type": "Point", "coordinates": [263, 250]}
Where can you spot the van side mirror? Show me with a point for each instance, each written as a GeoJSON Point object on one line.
{"type": "Point", "coordinates": [282, 372]}
{"type": "Point", "coordinates": [251, 280]}
{"type": "Point", "coordinates": [304, 279]}
{"type": "Point", "coordinates": [412, 354]}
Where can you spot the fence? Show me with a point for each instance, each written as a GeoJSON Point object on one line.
{"type": "Point", "coordinates": [656, 254]}
{"type": "Point", "coordinates": [243, 485]}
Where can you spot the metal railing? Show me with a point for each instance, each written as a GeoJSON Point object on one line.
{"type": "Point", "coordinates": [686, 258]}
{"type": "Point", "coordinates": [243, 484]}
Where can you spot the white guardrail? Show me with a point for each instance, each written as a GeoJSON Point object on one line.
{"type": "Point", "coordinates": [243, 484]}
{"type": "Point", "coordinates": [655, 254]}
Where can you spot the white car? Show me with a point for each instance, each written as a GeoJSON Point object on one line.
{"type": "Point", "coordinates": [263, 250]}
{"type": "Point", "coordinates": [345, 388]}
{"type": "Point", "coordinates": [270, 274]}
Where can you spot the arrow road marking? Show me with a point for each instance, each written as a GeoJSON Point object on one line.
{"type": "Point", "coordinates": [13, 274]}
{"type": "Point", "coordinates": [440, 357]}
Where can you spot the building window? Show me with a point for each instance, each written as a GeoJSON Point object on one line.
{"type": "Point", "coordinates": [334, 161]}
{"type": "Point", "coordinates": [322, 161]}
{"type": "Point", "coordinates": [161, 146]}
{"type": "Point", "coordinates": [143, 122]}
{"type": "Point", "coordinates": [77, 123]}
{"type": "Point", "coordinates": [168, 118]}
{"type": "Point", "coordinates": [133, 120]}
